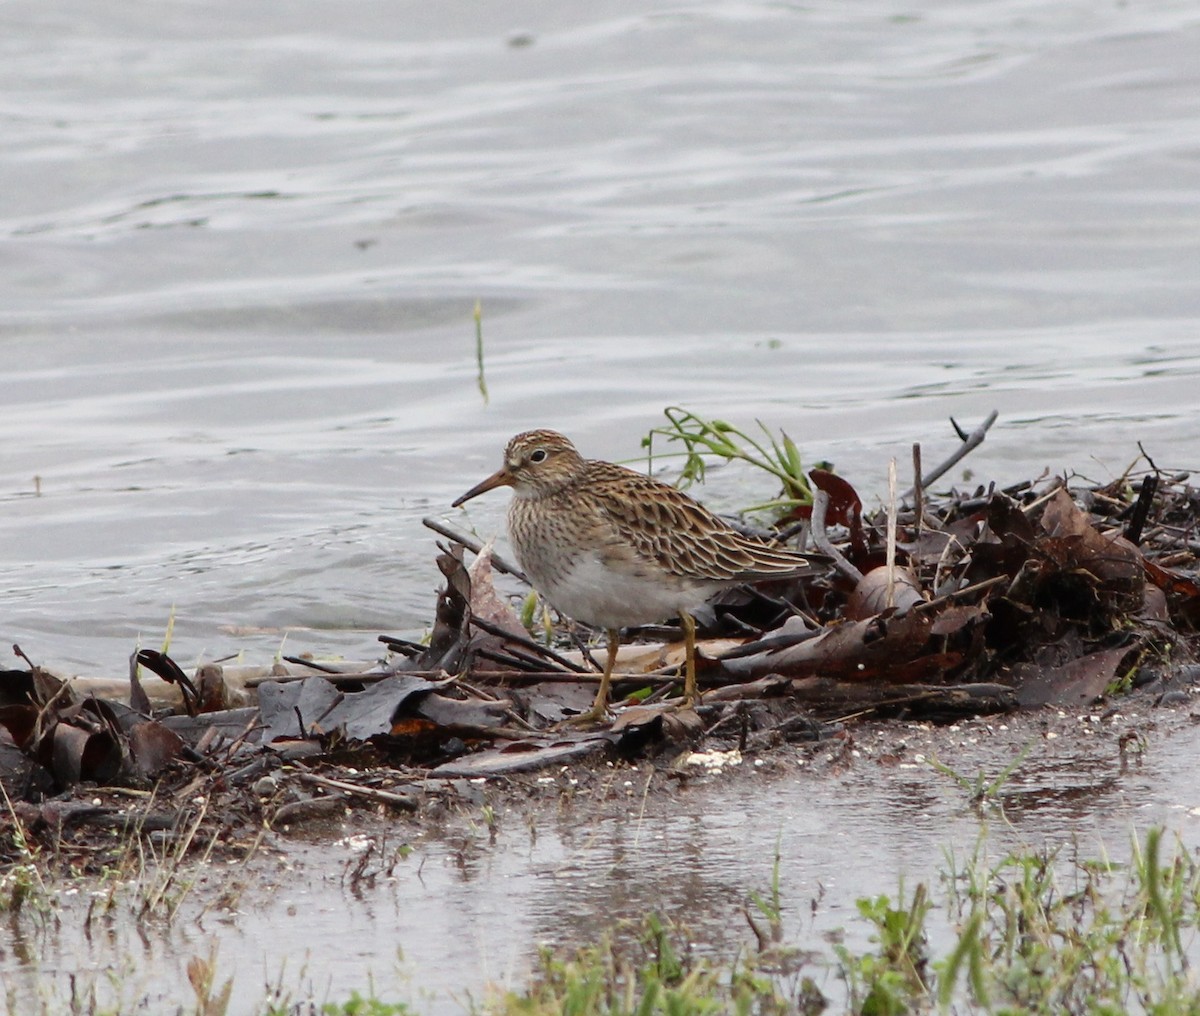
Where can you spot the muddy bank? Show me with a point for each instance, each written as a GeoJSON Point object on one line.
{"type": "Point", "coordinates": [979, 603]}
{"type": "Point", "coordinates": [433, 904]}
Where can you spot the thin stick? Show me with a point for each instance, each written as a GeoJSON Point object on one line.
{"type": "Point", "coordinates": [891, 536]}
{"type": "Point", "coordinates": [524, 640]}
{"type": "Point", "coordinates": [969, 443]}
{"type": "Point", "coordinates": [472, 544]}
{"type": "Point", "coordinates": [821, 537]}
{"type": "Point", "coordinates": [405, 801]}
{"type": "Point", "coordinates": [918, 491]}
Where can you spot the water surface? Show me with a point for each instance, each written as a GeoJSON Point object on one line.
{"type": "Point", "coordinates": [239, 252]}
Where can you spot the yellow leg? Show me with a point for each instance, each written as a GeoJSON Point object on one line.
{"type": "Point", "coordinates": [690, 692]}
{"type": "Point", "coordinates": [600, 706]}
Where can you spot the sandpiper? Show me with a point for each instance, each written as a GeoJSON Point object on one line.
{"type": "Point", "coordinates": [612, 547]}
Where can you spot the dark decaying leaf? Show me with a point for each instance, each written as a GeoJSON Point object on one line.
{"type": "Point", "coordinates": [1182, 591]}
{"type": "Point", "coordinates": [880, 649]}
{"type": "Point", "coordinates": [954, 617]}
{"type": "Point", "coordinates": [20, 721]}
{"type": "Point", "coordinates": [1072, 542]}
{"type": "Point", "coordinates": [1076, 683]}
{"type": "Point", "coordinates": [170, 671]}
{"type": "Point", "coordinates": [153, 746]}
{"type": "Point", "coordinates": [76, 754]}
{"type": "Point", "coordinates": [316, 708]}
{"type": "Point", "coordinates": [448, 642]}
{"type": "Point", "coordinates": [451, 713]}
{"type": "Point", "coordinates": [658, 720]}
{"type": "Point", "coordinates": [291, 708]}
{"type": "Point", "coordinates": [16, 687]}
{"type": "Point", "coordinates": [844, 509]}
{"type": "Point", "coordinates": [998, 537]}
{"type": "Point", "coordinates": [138, 699]}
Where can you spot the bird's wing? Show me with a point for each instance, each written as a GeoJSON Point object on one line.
{"type": "Point", "coordinates": [664, 525]}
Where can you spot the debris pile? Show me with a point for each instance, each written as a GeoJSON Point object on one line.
{"type": "Point", "coordinates": [1046, 593]}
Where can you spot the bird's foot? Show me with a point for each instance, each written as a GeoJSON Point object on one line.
{"type": "Point", "coordinates": [598, 714]}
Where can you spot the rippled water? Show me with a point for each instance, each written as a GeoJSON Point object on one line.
{"type": "Point", "coordinates": [240, 248]}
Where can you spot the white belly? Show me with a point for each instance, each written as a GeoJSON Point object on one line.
{"type": "Point", "coordinates": [605, 598]}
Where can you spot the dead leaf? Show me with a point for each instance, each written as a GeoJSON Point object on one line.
{"type": "Point", "coordinates": [1077, 683]}
{"type": "Point", "coordinates": [485, 602]}
{"type": "Point", "coordinates": [872, 594]}
{"type": "Point", "coordinates": [153, 746]}
{"type": "Point", "coordinates": [316, 708]}
{"type": "Point", "coordinates": [451, 713]}
{"type": "Point", "coordinates": [881, 648]}
{"type": "Point", "coordinates": [1073, 542]}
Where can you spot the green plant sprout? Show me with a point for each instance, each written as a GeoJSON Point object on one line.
{"type": "Point", "coordinates": [778, 456]}
{"type": "Point", "coordinates": [479, 351]}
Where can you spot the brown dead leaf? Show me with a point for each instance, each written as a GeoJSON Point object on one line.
{"type": "Point", "coordinates": [485, 602]}
{"type": "Point", "coordinates": [875, 593]}
{"type": "Point", "coordinates": [75, 754]}
{"type": "Point", "coordinates": [1073, 543]}
{"type": "Point", "coordinates": [883, 648]}
{"type": "Point", "coordinates": [1077, 683]}
{"type": "Point", "coordinates": [955, 617]}
{"type": "Point", "coordinates": [152, 746]}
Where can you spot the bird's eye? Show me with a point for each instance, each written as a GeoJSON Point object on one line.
{"type": "Point", "coordinates": [538, 455]}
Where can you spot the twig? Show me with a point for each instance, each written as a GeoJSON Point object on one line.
{"type": "Point", "coordinates": [1141, 510]}
{"type": "Point", "coordinates": [472, 544]}
{"type": "Point", "coordinates": [582, 646]}
{"type": "Point", "coordinates": [513, 658]}
{"type": "Point", "coordinates": [890, 602]}
{"type": "Point", "coordinates": [821, 537]}
{"type": "Point", "coordinates": [969, 443]}
{"type": "Point", "coordinates": [561, 677]}
{"type": "Point", "coordinates": [322, 668]}
{"type": "Point", "coordinates": [978, 587]}
{"type": "Point", "coordinates": [526, 641]}
{"type": "Point", "coordinates": [405, 801]}
{"type": "Point", "coordinates": [363, 677]}
{"type": "Point", "coordinates": [918, 492]}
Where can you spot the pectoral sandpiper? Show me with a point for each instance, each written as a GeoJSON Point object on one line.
{"type": "Point", "coordinates": [612, 547]}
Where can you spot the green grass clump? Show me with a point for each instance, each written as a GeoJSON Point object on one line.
{"type": "Point", "coordinates": [717, 439]}
{"type": "Point", "coordinates": [655, 973]}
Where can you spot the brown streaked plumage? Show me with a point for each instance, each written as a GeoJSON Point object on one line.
{"type": "Point", "coordinates": [612, 547]}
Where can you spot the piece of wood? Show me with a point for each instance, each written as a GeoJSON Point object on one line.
{"type": "Point", "coordinates": [406, 802]}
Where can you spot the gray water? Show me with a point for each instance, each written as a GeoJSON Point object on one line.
{"type": "Point", "coordinates": [240, 248]}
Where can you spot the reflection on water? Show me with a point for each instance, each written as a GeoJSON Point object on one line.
{"type": "Point", "coordinates": [466, 908]}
